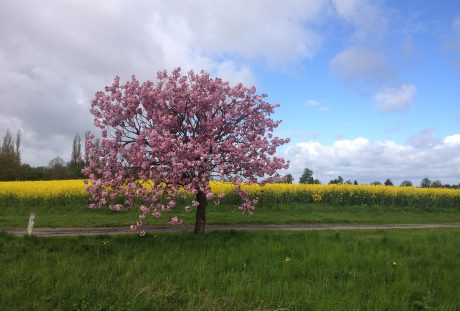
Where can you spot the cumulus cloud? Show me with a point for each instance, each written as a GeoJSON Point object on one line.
{"type": "Point", "coordinates": [362, 68]}
{"type": "Point", "coordinates": [54, 55]}
{"type": "Point", "coordinates": [424, 138]}
{"type": "Point", "coordinates": [395, 98]}
{"type": "Point", "coordinates": [368, 18]}
{"type": "Point", "coordinates": [362, 65]}
{"type": "Point", "coordinates": [452, 140]}
{"type": "Point", "coordinates": [368, 161]}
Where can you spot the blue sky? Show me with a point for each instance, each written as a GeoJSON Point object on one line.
{"type": "Point", "coordinates": [325, 106]}
{"type": "Point", "coordinates": [369, 90]}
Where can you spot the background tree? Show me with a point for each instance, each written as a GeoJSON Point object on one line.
{"type": "Point", "coordinates": [376, 183]}
{"type": "Point", "coordinates": [179, 131]}
{"type": "Point", "coordinates": [426, 183]}
{"type": "Point", "coordinates": [76, 149]}
{"type": "Point", "coordinates": [307, 177]}
{"type": "Point", "coordinates": [57, 169]}
{"type": "Point", "coordinates": [10, 158]}
{"type": "Point", "coordinates": [436, 184]}
{"type": "Point", "coordinates": [338, 180]}
{"type": "Point", "coordinates": [388, 182]}
{"type": "Point", "coordinates": [75, 164]}
{"type": "Point", "coordinates": [406, 183]}
{"type": "Point", "coordinates": [288, 179]}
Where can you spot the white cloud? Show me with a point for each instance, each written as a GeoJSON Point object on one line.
{"type": "Point", "coordinates": [363, 65]}
{"type": "Point", "coordinates": [394, 99]}
{"type": "Point", "coordinates": [55, 54]}
{"type": "Point", "coordinates": [317, 104]}
{"type": "Point", "coordinates": [235, 74]}
{"type": "Point", "coordinates": [368, 18]}
{"type": "Point", "coordinates": [362, 68]}
{"type": "Point", "coordinates": [368, 161]}
{"type": "Point", "coordinates": [424, 138]}
{"type": "Point", "coordinates": [452, 140]}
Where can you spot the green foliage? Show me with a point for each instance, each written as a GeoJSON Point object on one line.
{"type": "Point", "coordinates": [307, 177]}
{"type": "Point", "coordinates": [406, 183]}
{"type": "Point", "coordinates": [436, 184]}
{"type": "Point", "coordinates": [338, 180]}
{"type": "Point", "coordinates": [388, 182]}
{"type": "Point", "coordinates": [10, 158]}
{"type": "Point", "coordinates": [426, 183]}
{"type": "Point", "coordinates": [12, 169]}
{"type": "Point", "coordinates": [375, 270]}
{"type": "Point", "coordinates": [76, 164]}
{"type": "Point", "coordinates": [288, 179]}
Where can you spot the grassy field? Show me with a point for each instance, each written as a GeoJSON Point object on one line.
{"type": "Point", "coordinates": [64, 204]}
{"type": "Point", "coordinates": [79, 215]}
{"type": "Point", "coordinates": [373, 270]}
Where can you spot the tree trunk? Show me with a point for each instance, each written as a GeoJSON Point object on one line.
{"type": "Point", "coordinates": [200, 222]}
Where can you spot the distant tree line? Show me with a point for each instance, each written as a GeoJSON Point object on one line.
{"type": "Point", "coordinates": [307, 178]}
{"type": "Point", "coordinates": [11, 167]}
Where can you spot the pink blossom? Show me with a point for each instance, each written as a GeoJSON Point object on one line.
{"type": "Point", "coordinates": [175, 221]}
{"type": "Point", "coordinates": [116, 207]}
{"type": "Point", "coordinates": [144, 209]}
{"type": "Point", "coordinates": [178, 131]}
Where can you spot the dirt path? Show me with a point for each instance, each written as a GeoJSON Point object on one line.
{"type": "Point", "coordinates": [248, 227]}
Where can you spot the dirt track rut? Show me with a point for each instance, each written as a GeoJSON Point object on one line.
{"type": "Point", "coordinates": [248, 227]}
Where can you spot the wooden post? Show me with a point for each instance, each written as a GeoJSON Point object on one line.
{"type": "Point", "coordinates": [31, 223]}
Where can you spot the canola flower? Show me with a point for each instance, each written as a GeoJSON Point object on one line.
{"type": "Point", "coordinates": [67, 191]}
{"type": "Point", "coordinates": [43, 189]}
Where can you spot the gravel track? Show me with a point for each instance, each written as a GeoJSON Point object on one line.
{"type": "Point", "coordinates": [248, 227]}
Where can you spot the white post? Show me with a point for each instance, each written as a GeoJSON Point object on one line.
{"type": "Point", "coordinates": [31, 223]}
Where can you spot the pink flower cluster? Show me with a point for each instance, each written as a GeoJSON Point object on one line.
{"type": "Point", "coordinates": [180, 131]}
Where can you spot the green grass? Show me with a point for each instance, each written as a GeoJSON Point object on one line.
{"type": "Point", "coordinates": [79, 215]}
{"type": "Point", "coordinates": [372, 270]}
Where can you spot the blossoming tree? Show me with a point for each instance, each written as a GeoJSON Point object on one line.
{"type": "Point", "coordinates": [180, 131]}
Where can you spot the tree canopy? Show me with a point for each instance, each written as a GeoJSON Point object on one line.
{"type": "Point", "coordinates": [10, 157]}
{"type": "Point", "coordinates": [307, 177]}
{"type": "Point", "coordinates": [178, 131]}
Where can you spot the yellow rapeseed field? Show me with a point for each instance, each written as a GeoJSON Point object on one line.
{"type": "Point", "coordinates": [343, 194]}
{"type": "Point", "coordinates": [49, 189]}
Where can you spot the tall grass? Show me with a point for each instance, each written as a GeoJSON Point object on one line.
{"type": "Point", "coordinates": [398, 270]}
